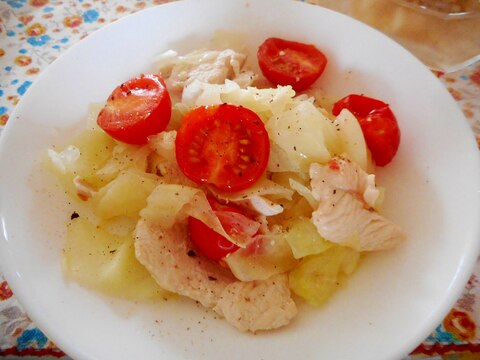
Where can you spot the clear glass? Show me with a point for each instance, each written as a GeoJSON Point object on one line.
{"type": "Point", "coordinates": [446, 9]}
{"type": "Point", "coordinates": [444, 34]}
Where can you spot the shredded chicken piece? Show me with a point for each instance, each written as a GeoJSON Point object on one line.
{"type": "Point", "coordinates": [179, 267]}
{"type": "Point", "coordinates": [343, 219]}
{"type": "Point", "coordinates": [257, 305]}
{"type": "Point", "coordinates": [342, 174]}
{"type": "Point", "coordinates": [208, 66]}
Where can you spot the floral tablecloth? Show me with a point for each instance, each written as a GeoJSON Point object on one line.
{"type": "Point", "coordinates": [35, 32]}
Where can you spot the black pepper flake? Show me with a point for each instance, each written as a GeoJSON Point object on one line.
{"type": "Point", "coordinates": [74, 215]}
{"type": "Point", "coordinates": [113, 251]}
{"type": "Point", "coordinates": [212, 278]}
{"type": "Point", "coordinates": [191, 253]}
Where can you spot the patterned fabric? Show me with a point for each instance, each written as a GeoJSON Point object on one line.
{"type": "Point", "coordinates": [34, 32]}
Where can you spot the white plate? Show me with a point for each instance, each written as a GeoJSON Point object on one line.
{"type": "Point", "coordinates": [389, 306]}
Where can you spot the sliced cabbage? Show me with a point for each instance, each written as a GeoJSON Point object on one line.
{"type": "Point", "coordinates": [99, 259]}
{"type": "Point", "coordinates": [263, 187]}
{"type": "Point", "coordinates": [79, 162]}
{"type": "Point", "coordinates": [200, 93]}
{"type": "Point", "coordinates": [264, 257]}
{"type": "Point", "coordinates": [351, 138]}
{"type": "Point", "coordinates": [64, 160]}
{"type": "Point", "coordinates": [299, 133]}
{"type": "Point", "coordinates": [126, 195]}
{"type": "Point", "coordinates": [317, 277]}
{"type": "Point", "coordinates": [125, 156]}
{"type": "Point", "coordinates": [86, 154]}
{"type": "Point", "coordinates": [164, 144]}
{"type": "Point", "coordinates": [261, 205]}
{"type": "Point", "coordinates": [265, 102]}
{"type": "Point", "coordinates": [305, 192]}
{"type": "Point", "coordinates": [169, 204]}
{"type": "Point", "coordinates": [163, 161]}
{"type": "Point", "coordinates": [304, 239]}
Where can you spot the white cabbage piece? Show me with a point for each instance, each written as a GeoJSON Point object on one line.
{"type": "Point", "coordinates": [199, 93]}
{"type": "Point", "coordinates": [169, 204]}
{"type": "Point", "coordinates": [166, 61]}
{"type": "Point", "coordinates": [265, 102]}
{"type": "Point", "coordinates": [125, 195]}
{"type": "Point", "coordinates": [262, 205]}
{"type": "Point", "coordinates": [265, 256]}
{"type": "Point", "coordinates": [64, 160]}
{"type": "Point", "coordinates": [305, 192]}
{"type": "Point", "coordinates": [299, 133]}
{"type": "Point", "coordinates": [163, 162]}
{"type": "Point", "coordinates": [125, 156]}
{"type": "Point", "coordinates": [263, 187]}
{"type": "Point", "coordinates": [351, 138]}
{"type": "Point", "coordinates": [164, 144]}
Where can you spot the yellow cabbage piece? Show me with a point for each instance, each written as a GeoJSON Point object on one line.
{"type": "Point", "coordinates": [88, 152]}
{"type": "Point", "coordinates": [125, 156]}
{"type": "Point", "coordinates": [98, 259]}
{"type": "Point", "coordinates": [317, 277]}
{"type": "Point", "coordinates": [265, 102]}
{"type": "Point", "coordinates": [268, 255]}
{"type": "Point", "coordinates": [304, 239]}
{"type": "Point", "coordinates": [126, 195]}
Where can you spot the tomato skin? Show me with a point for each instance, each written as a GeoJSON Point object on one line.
{"type": "Point", "coordinates": [226, 146]}
{"type": "Point", "coordinates": [285, 62]}
{"type": "Point", "coordinates": [136, 109]}
{"type": "Point", "coordinates": [378, 123]}
{"type": "Point", "coordinates": [212, 244]}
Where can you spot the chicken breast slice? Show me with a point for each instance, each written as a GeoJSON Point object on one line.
{"type": "Point", "coordinates": [342, 174]}
{"type": "Point", "coordinates": [206, 66]}
{"type": "Point", "coordinates": [343, 219]}
{"type": "Point", "coordinates": [257, 305]}
{"type": "Point", "coordinates": [179, 267]}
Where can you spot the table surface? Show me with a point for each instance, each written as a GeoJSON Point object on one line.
{"type": "Point", "coordinates": [35, 32]}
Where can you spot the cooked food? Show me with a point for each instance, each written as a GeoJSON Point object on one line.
{"type": "Point", "coordinates": [196, 182]}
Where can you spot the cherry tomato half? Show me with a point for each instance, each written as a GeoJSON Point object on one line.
{"type": "Point", "coordinates": [378, 123]}
{"type": "Point", "coordinates": [136, 109]}
{"type": "Point", "coordinates": [212, 244]}
{"type": "Point", "coordinates": [292, 63]}
{"type": "Point", "coordinates": [223, 145]}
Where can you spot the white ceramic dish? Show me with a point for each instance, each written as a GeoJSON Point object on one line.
{"type": "Point", "coordinates": [393, 301]}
